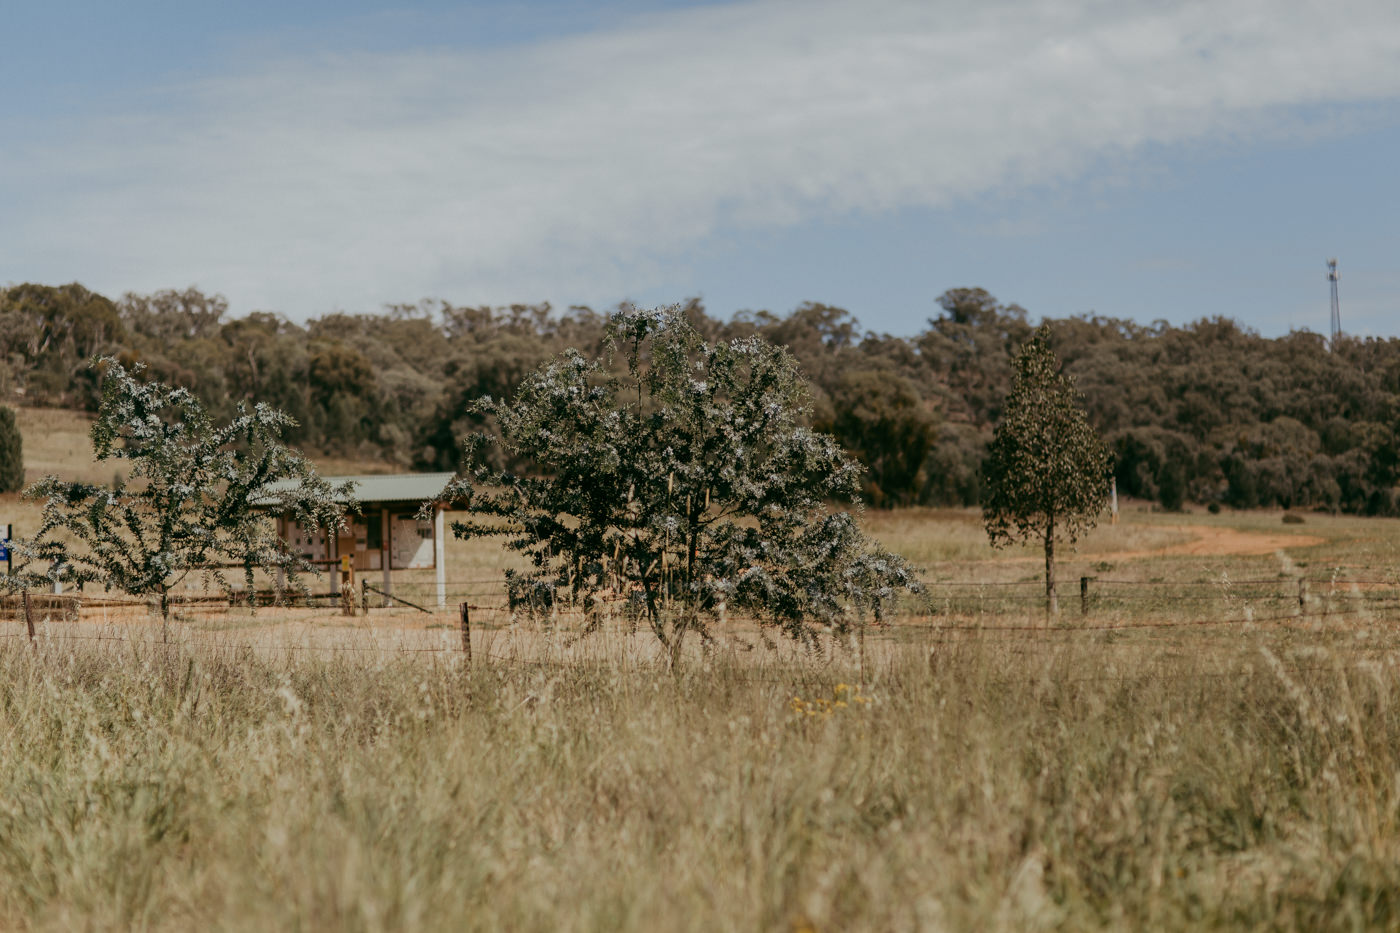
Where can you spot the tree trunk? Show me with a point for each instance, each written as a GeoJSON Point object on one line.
{"type": "Point", "coordinates": [164, 616]}
{"type": "Point", "coordinates": [1052, 602]}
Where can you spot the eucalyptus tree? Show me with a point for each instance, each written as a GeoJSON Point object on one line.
{"type": "Point", "coordinates": [680, 471]}
{"type": "Point", "coordinates": [197, 498]}
{"type": "Point", "coordinates": [1046, 472]}
{"type": "Point", "coordinates": [879, 416]}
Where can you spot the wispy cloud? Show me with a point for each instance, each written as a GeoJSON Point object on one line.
{"type": "Point", "coordinates": [583, 168]}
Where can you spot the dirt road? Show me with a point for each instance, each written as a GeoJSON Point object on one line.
{"type": "Point", "coordinates": [1207, 541]}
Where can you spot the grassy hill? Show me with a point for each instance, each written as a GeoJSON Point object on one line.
{"type": "Point", "coordinates": [57, 442]}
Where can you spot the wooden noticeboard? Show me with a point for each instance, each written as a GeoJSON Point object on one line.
{"type": "Point", "coordinates": [309, 543]}
{"type": "Point", "coordinates": [410, 543]}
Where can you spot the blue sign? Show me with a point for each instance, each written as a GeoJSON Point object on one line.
{"type": "Point", "coordinates": [5, 542]}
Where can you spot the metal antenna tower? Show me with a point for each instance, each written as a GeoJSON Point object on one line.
{"type": "Point", "coordinates": [1333, 277]}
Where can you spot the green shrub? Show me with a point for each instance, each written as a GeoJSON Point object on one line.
{"type": "Point", "coordinates": [688, 478]}
{"type": "Point", "coordinates": [11, 452]}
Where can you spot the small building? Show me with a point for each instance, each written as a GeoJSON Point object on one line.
{"type": "Point", "coordinates": [386, 534]}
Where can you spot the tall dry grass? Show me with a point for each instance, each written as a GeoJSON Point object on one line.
{"type": "Point", "coordinates": [993, 781]}
{"type": "Point", "coordinates": [1013, 778]}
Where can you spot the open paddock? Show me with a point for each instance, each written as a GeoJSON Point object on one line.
{"type": "Point", "coordinates": [1212, 740]}
{"type": "Point", "coordinates": [311, 771]}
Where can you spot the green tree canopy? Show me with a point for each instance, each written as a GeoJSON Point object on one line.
{"type": "Point", "coordinates": [11, 452]}
{"type": "Point", "coordinates": [685, 476]}
{"type": "Point", "coordinates": [880, 418]}
{"type": "Point", "coordinates": [1190, 409]}
{"type": "Point", "coordinates": [1047, 470]}
{"type": "Point", "coordinates": [190, 503]}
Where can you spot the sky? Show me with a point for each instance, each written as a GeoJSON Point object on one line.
{"type": "Point", "coordinates": [1143, 160]}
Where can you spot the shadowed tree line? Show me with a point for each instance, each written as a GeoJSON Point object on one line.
{"type": "Point", "coordinates": [1206, 413]}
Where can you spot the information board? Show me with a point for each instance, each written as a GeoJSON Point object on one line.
{"type": "Point", "coordinates": [410, 544]}
{"type": "Point", "coordinates": [309, 544]}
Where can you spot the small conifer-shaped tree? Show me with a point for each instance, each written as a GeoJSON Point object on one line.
{"type": "Point", "coordinates": [1047, 470]}
{"type": "Point", "coordinates": [11, 452]}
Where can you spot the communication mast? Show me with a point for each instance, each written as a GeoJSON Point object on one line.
{"type": "Point", "coordinates": [1333, 277]}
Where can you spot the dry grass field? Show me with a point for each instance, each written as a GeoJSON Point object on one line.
{"type": "Point", "coordinates": [1213, 744]}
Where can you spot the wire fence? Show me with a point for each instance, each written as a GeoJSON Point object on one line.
{"type": "Point", "coordinates": [818, 675]}
{"type": "Point", "coordinates": [1089, 595]}
{"type": "Point", "coordinates": [1222, 598]}
{"type": "Point", "coordinates": [945, 609]}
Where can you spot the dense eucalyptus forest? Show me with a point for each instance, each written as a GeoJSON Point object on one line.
{"type": "Point", "coordinates": [1210, 413]}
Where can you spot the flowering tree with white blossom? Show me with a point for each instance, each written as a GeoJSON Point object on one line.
{"type": "Point", "coordinates": [196, 499]}
{"type": "Point", "coordinates": [679, 472]}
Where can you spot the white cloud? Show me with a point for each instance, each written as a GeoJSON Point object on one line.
{"type": "Point", "coordinates": [583, 168]}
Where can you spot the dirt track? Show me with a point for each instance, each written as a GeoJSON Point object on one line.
{"type": "Point", "coordinates": [1201, 541]}
{"type": "Point", "coordinates": [1207, 541]}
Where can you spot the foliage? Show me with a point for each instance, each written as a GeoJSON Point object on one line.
{"type": "Point", "coordinates": [189, 504]}
{"type": "Point", "coordinates": [879, 417]}
{"type": "Point", "coordinates": [685, 476]}
{"type": "Point", "coordinates": [54, 331]}
{"type": "Point", "coordinates": [1047, 471]}
{"type": "Point", "coordinates": [11, 452]}
{"type": "Point", "coordinates": [171, 316]}
{"type": "Point", "coordinates": [1196, 411]}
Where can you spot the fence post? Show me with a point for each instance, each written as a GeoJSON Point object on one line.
{"type": "Point", "coordinates": [1084, 596]}
{"type": "Point", "coordinates": [467, 632]}
{"type": "Point", "coordinates": [1302, 595]}
{"type": "Point", "coordinates": [347, 586]}
{"type": "Point", "coordinates": [29, 618]}
{"type": "Point", "coordinates": [364, 597]}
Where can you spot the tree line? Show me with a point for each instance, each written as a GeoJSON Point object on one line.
{"type": "Point", "coordinates": [1208, 413]}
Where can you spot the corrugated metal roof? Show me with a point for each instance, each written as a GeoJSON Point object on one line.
{"type": "Point", "coordinates": [390, 487]}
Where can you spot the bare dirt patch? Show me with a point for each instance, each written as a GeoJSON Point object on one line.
{"type": "Point", "coordinates": [1211, 541]}
{"type": "Point", "coordinates": [1193, 541]}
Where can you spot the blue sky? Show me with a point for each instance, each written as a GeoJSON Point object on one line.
{"type": "Point", "coordinates": [1134, 159]}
